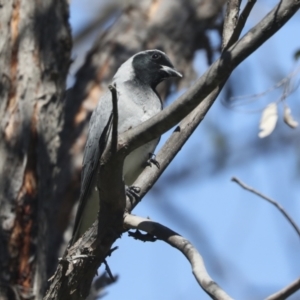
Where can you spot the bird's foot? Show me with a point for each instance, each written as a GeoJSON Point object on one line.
{"type": "Point", "coordinates": [133, 193]}
{"type": "Point", "coordinates": [152, 160]}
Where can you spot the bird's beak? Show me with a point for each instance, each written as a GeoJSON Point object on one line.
{"type": "Point", "coordinates": [171, 72]}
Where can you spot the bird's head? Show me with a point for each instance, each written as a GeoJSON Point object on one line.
{"type": "Point", "coordinates": [149, 67]}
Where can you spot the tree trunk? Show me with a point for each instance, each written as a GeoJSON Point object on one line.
{"type": "Point", "coordinates": [35, 45]}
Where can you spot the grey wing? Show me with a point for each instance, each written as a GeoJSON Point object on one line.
{"type": "Point", "coordinates": [97, 136]}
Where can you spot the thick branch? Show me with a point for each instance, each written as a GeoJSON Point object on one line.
{"type": "Point", "coordinates": [173, 145]}
{"type": "Point", "coordinates": [216, 74]}
{"type": "Point", "coordinates": [185, 247]}
{"type": "Point", "coordinates": [273, 202]}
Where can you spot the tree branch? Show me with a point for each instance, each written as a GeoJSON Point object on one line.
{"type": "Point", "coordinates": [241, 22]}
{"type": "Point", "coordinates": [286, 292]}
{"type": "Point", "coordinates": [273, 202]}
{"type": "Point", "coordinates": [107, 269]}
{"type": "Point", "coordinates": [215, 75]}
{"type": "Point", "coordinates": [230, 21]}
{"type": "Point", "coordinates": [114, 135]}
{"type": "Point", "coordinates": [167, 153]}
{"type": "Point", "coordinates": [184, 246]}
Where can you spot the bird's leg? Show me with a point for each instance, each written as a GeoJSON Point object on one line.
{"type": "Point", "coordinates": [133, 192]}
{"type": "Point", "coordinates": [152, 160]}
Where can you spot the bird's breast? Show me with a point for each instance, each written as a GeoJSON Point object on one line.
{"type": "Point", "coordinates": [136, 105]}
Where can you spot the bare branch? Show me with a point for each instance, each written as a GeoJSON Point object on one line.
{"type": "Point", "coordinates": [184, 246]}
{"type": "Point", "coordinates": [114, 138]}
{"type": "Point", "coordinates": [273, 202]}
{"type": "Point", "coordinates": [286, 292]}
{"type": "Point", "coordinates": [173, 145]}
{"type": "Point", "coordinates": [241, 22]}
{"type": "Point", "coordinates": [230, 21]}
{"type": "Point", "coordinates": [283, 83]}
{"type": "Point", "coordinates": [215, 75]}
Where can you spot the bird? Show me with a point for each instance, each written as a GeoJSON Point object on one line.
{"type": "Point", "coordinates": [136, 81]}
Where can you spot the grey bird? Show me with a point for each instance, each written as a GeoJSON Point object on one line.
{"type": "Point", "coordinates": [135, 80]}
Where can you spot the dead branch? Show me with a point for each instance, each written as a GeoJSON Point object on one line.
{"type": "Point", "coordinates": [184, 246]}
{"type": "Point", "coordinates": [273, 202]}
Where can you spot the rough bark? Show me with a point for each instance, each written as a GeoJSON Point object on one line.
{"type": "Point", "coordinates": [35, 48]}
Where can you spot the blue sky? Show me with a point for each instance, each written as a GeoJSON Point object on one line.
{"type": "Point", "coordinates": [247, 245]}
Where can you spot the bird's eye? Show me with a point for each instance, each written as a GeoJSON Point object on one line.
{"type": "Point", "coordinates": [155, 56]}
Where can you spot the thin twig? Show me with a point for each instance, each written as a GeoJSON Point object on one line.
{"type": "Point", "coordinates": [286, 292]}
{"type": "Point", "coordinates": [277, 205]}
{"type": "Point", "coordinates": [112, 250]}
{"type": "Point", "coordinates": [107, 268]}
{"type": "Point", "coordinates": [114, 139]}
{"type": "Point", "coordinates": [285, 83]}
{"type": "Point", "coordinates": [184, 246]}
